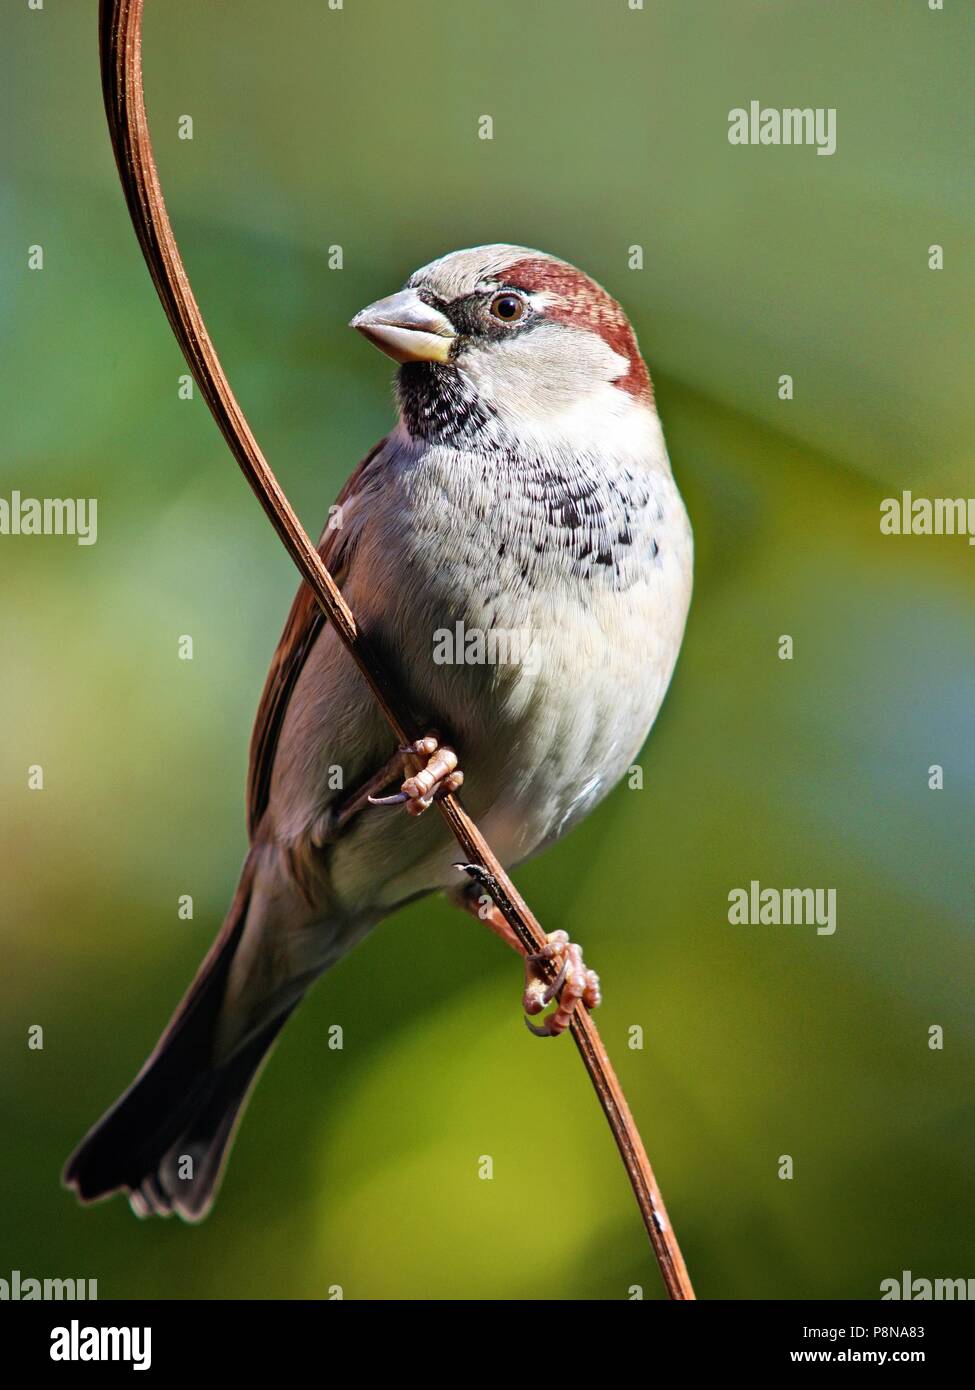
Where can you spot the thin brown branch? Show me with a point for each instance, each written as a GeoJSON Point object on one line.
{"type": "Point", "coordinates": [120, 39]}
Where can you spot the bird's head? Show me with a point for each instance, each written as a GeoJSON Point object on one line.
{"type": "Point", "coordinates": [504, 347]}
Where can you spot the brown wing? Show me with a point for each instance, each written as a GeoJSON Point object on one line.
{"type": "Point", "coordinates": [304, 623]}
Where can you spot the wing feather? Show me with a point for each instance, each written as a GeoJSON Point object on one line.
{"type": "Point", "coordinates": [305, 622]}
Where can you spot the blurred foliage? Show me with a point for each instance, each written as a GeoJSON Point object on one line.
{"type": "Point", "coordinates": [358, 127]}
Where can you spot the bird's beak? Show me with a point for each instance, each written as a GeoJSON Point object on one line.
{"type": "Point", "coordinates": [406, 329]}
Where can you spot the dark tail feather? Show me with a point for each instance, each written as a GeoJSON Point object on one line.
{"type": "Point", "coordinates": [164, 1140]}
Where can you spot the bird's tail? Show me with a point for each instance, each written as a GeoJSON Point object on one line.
{"type": "Point", "coordinates": [165, 1139]}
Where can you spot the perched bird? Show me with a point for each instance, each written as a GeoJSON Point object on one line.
{"type": "Point", "coordinates": [518, 552]}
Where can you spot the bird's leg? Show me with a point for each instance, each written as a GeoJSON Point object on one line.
{"type": "Point", "coordinates": [334, 820]}
{"type": "Point", "coordinates": [572, 979]}
{"type": "Point", "coordinates": [434, 773]}
{"type": "Point", "coordinates": [475, 899]}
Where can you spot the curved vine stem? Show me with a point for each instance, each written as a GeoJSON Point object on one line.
{"type": "Point", "coordinates": [120, 42]}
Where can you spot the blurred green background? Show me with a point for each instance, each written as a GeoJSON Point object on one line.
{"type": "Point", "coordinates": [358, 127]}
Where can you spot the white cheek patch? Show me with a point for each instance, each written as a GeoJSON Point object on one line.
{"type": "Point", "coordinates": [592, 360]}
{"type": "Point", "coordinates": [605, 358]}
{"type": "Point", "coordinates": [556, 365]}
{"type": "Point", "coordinates": [553, 387]}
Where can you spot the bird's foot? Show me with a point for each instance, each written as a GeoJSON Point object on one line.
{"type": "Point", "coordinates": [437, 775]}
{"type": "Point", "coordinates": [557, 969]}
{"type": "Point", "coordinates": [573, 982]}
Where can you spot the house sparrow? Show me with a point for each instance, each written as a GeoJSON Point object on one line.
{"type": "Point", "coordinates": [519, 554]}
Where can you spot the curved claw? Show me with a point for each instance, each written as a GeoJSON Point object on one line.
{"type": "Point", "coordinates": [540, 1030]}
{"type": "Point", "coordinates": [396, 799]}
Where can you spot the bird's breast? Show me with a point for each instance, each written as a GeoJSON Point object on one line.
{"type": "Point", "coordinates": [539, 611]}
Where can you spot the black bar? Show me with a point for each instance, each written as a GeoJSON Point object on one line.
{"type": "Point", "coordinates": [257, 1338]}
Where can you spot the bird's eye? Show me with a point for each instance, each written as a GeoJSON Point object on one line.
{"type": "Point", "coordinates": [509, 308]}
